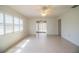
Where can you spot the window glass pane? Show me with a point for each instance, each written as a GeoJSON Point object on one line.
{"type": "Point", "coordinates": [16, 20]}
{"type": "Point", "coordinates": [1, 24]}
{"type": "Point", "coordinates": [16, 28]}
{"type": "Point", "coordinates": [1, 18]}
{"type": "Point", "coordinates": [21, 22]}
{"type": "Point", "coordinates": [44, 27]}
{"type": "Point", "coordinates": [21, 25]}
{"type": "Point", "coordinates": [41, 27]}
{"type": "Point", "coordinates": [8, 23]}
{"type": "Point", "coordinates": [16, 24]}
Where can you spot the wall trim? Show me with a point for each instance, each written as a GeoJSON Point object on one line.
{"type": "Point", "coordinates": [70, 41]}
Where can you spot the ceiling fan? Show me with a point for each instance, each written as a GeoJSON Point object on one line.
{"type": "Point", "coordinates": [74, 6]}
{"type": "Point", "coordinates": [45, 10]}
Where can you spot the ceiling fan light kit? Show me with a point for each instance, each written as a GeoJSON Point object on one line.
{"type": "Point", "coordinates": [45, 11]}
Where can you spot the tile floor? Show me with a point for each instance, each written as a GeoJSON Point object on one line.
{"type": "Point", "coordinates": [42, 43]}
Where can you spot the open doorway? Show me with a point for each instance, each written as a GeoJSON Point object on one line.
{"type": "Point", "coordinates": [59, 27]}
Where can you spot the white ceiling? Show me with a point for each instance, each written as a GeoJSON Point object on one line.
{"type": "Point", "coordinates": [34, 10]}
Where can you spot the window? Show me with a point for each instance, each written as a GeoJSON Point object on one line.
{"type": "Point", "coordinates": [1, 24]}
{"type": "Point", "coordinates": [41, 26]}
{"type": "Point", "coordinates": [21, 25]}
{"type": "Point", "coordinates": [16, 24]}
{"type": "Point", "coordinates": [44, 25]}
{"type": "Point", "coordinates": [8, 23]}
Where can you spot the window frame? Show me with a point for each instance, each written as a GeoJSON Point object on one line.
{"type": "Point", "coordinates": [4, 23]}
{"type": "Point", "coordinates": [8, 23]}
{"type": "Point", "coordinates": [17, 24]}
{"type": "Point", "coordinates": [21, 25]}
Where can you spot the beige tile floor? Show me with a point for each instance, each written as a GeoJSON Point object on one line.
{"type": "Point", "coordinates": [44, 44]}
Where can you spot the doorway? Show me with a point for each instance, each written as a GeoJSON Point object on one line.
{"type": "Point", "coordinates": [59, 27]}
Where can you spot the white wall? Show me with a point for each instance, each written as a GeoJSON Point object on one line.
{"type": "Point", "coordinates": [70, 25]}
{"type": "Point", "coordinates": [9, 39]}
{"type": "Point", "coordinates": [52, 25]}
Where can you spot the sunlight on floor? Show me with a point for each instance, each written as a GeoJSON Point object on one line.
{"type": "Point", "coordinates": [25, 44]}
{"type": "Point", "coordinates": [20, 49]}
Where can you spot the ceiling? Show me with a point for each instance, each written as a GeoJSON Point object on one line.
{"type": "Point", "coordinates": [34, 10]}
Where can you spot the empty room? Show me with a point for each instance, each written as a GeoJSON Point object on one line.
{"type": "Point", "coordinates": [39, 28]}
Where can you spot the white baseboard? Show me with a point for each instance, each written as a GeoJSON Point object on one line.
{"type": "Point", "coordinates": [71, 41]}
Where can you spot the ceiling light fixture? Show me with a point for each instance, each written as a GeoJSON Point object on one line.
{"type": "Point", "coordinates": [45, 10]}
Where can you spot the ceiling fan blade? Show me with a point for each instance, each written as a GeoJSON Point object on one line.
{"type": "Point", "coordinates": [75, 6]}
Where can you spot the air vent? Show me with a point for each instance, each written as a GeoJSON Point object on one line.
{"type": "Point", "coordinates": [75, 6]}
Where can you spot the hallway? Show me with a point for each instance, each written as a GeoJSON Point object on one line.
{"type": "Point", "coordinates": [43, 44]}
